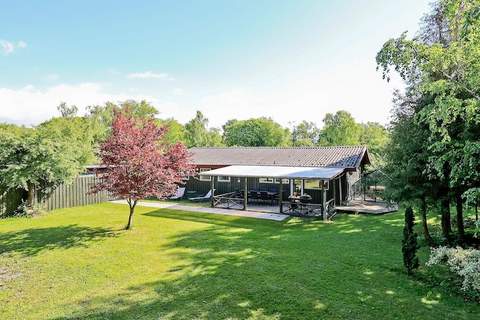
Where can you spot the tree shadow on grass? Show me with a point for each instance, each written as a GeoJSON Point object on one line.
{"type": "Point", "coordinates": [245, 268]}
{"type": "Point", "coordinates": [29, 242]}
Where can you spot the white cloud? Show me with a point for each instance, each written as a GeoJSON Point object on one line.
{"type": "Point", "coordinates": [291, 98]}
{"type": "Point", "coordinates": [8, 47]}
{"type": "Point", "coordinates": [30, 105]}
{"type": "Point", "coordinates": [149, 75]}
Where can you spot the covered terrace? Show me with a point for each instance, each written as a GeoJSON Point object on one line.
{"type": "Point", "coordinates": [286, 201]}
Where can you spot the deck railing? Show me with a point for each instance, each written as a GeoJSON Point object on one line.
{"type": "Point", "coordinates": [330, 209]}
{"type": "Point", "coordinates": [301, 209]}
{"type": "Point", "coordinates": [228, 200]}
{"type": "Point", "coordinates": [234, 200]}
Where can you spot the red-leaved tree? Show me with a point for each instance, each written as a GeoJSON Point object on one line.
{"type": "Point", "coordinates": [138, 165]}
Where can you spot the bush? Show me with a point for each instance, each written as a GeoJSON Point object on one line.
{"type": "Point", "coordinates": [465, 263]}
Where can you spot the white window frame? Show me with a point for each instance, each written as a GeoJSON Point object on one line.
{"type": "Point", "coordinates": [204, 178]}
{"type": "Point", "coordinates": [326, 185]}
{"type": "Point", "coordinates": [272, 180]}
{"type": "Point", "coordinates": [223, 179]}
{"type": "Point", "coordinates": [265, 180]}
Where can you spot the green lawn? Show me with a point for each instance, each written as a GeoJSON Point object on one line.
{"type": "Point", "coordinates": [77, 263]}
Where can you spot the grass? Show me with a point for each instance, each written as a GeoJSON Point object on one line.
{"type": "Point", "coordinates": [78, 263]}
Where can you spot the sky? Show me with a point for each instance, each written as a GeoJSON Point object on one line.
{"type": "Point", "coordinates": [290, 60]}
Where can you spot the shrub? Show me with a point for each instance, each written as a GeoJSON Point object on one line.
{"type": "Point", "coordinates": [465, 263]}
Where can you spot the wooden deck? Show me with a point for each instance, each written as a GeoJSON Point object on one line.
{"type": "Point", "coordinates": [368, 207]}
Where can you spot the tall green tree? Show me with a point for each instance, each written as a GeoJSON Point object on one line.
{"type": "Point", "coordinates": [197, 131]}
{"type": "Point", "coordinates": [443, 64]}
{"type": "Point", "coordinates": [75, 133]}
{"type": "Point", "coordinates": [36, 163]}
{"type": "Point", "coordinates": [215, 138]}
{"type": "Point", "coordinates": [67, 111]}
{"type": "Point", "coordinates": [340, 129]}
{"type": "Point", "coordinates": [101, 116]}
{"type": "Point", "coordinates": [175, 131]}
{"type": "Point", "coordinates": [255, 132]}
{"type": "Point", "coordinates": [199, 135]}
{"type": "Point", "coordinates": [376, 137]}
{"type": "Point", "coordinates": [306, 133]}
{"type": "Point", "coordinates": [406, 158]}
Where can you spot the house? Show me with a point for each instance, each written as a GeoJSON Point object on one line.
{"type": "Point", "coordinates": [327, 174]}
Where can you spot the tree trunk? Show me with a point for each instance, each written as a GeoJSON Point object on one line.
{"type": "Point", "coordinates": [30, 196]}
{"type": "Point", "coordinates": [423, 214]}
{"type": "Point", "coordinates": [445, 204]}
{"type": "Point", "coordinates": [132, 205]}
{"type": "Point", "coordinates": [460, 225]}
{"type": "Point", "coordinates": [446, 224]}
{"type": "Point", "coordinates": [476, 212]}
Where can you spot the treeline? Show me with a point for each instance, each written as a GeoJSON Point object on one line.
{"type": "Point", "coordinates": [338, 129]}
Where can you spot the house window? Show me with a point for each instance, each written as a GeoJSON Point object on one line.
{"type": "Point", "coordinates": [272, 180]}
{"type": "Point", "coordinates": [205, 178]}
{"type": "Point", "coordinates": [265, 180]}
{"type": "Point", "coordinates": [223, 179]}
{"type": "Point", "coordinates": [316, 184]}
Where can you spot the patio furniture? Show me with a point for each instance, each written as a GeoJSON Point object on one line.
{"type": "Point", "coordinates": [306, 198]}
{"type": "Point", "coordinates": [301, 205]}
{"type": "Point", "coordinates": [178, 194]}
{"type": "Point", "coordinates": [264, 196]}
{"type": "Point", "coordinates": [206, 197]}
{"type": "Point", "coordinates": [253, 195]}
{"type": "Point", "coordinates": [239, 194]}
{"type": "Point", "coordinates": [293, 204]}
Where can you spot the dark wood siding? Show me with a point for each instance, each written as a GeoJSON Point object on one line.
{"type": "Point", "coordinates": [195, 186]}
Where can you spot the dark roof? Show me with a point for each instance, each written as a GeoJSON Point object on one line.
{"type": "Point", "coordinates": [341, 157]}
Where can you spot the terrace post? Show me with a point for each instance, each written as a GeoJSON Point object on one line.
{"type": "Point", "coordinates": [280, 195]}
{"type": "Point", "coordinates": [324, 202]}
{"type": "Point", "coordinates": [212, 190]}
{"type": "Point", "coordinates": [245, 193]}
{"type": "Point", "coordinates": [334, 186]}
{"type": "Point", "coordinates": [340, 189]}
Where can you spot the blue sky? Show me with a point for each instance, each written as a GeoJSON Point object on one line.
{"type": "Point", "coordinates": [290, 60]}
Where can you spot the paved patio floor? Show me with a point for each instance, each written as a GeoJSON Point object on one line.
{"type": "Point", "coordinates": [369, 207]}
{"type": "Point", "coordinates": [227, 212]}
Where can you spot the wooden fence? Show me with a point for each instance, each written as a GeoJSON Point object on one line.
{"type": "Point", "coordinates": [69, 195]}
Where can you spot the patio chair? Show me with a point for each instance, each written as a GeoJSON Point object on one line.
{"type": "Point", "coordinates": [203, 198]}
{"type": "Point", "coordinates": [273, 196]}
{"type": "Point", "coordinates": [293, 206]}
{"type": "Point", "coordinates": [240, 194]}
{"type": "Point", "coordinates": [264, 196]}
{"type": "Point", "coordinates": [252, 194]}
{"type": "Point", "coordinates": [305, 199]}
{"type": "Point", "coordinates": [178, 194]}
